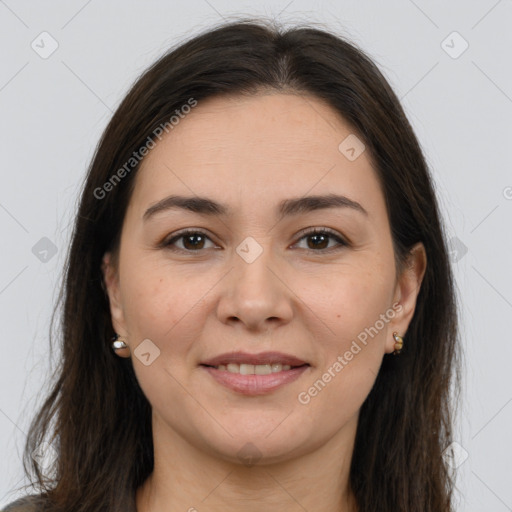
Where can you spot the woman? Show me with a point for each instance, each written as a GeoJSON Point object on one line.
{"type": "Point", "coordinates": [259, 242]}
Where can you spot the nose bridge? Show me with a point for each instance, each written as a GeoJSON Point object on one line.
{"type": "Point", "coordinates": [254, 293]}
{"type": "Point", "coordinates": [252, 262]}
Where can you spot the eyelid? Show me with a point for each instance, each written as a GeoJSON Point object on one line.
{"type": "Point", "coordinates": [319, 230]}
{"type": "Point", "coordinates": [341, 241]}
{"type": "Point", "coordinates": [168, 240]}
{"type": "Point", "coordinates": [310, 231]}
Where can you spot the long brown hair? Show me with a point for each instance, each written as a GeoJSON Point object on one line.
{"type": "Point", "coordinates": [96, 415]}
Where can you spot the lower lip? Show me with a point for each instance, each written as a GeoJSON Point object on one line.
{"type": "Point", "coordinates": [255, 384]}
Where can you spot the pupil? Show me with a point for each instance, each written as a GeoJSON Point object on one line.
{"type": "Point", "coordinates": [189, 237]}
{"type": "Point", "coordinates": [318, 236]}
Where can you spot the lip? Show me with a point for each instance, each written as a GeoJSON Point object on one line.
{"type": "Point", "coordinates": [255, 384]}
{"type": "Point", "coordinates": [260, 358]}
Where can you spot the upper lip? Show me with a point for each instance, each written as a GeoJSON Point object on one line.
{"type": "Point", "coordinates": [261, 358]}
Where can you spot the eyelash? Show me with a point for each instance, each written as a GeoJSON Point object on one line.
{"type": "Point", "coordinates": [315, 231]}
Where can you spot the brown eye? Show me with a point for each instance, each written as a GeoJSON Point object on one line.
{"type": "Point", "coordinates": [320, 239]}
{"type": "Point", "coordinates": [192, 241]}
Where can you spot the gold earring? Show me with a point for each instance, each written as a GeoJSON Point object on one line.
{"type": "Point", "coordinates": [399, 343]}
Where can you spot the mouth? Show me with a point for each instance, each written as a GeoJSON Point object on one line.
{"type": "Point", "coordinates": [245, 359]}
{"type": "Point", "coordinates": [254, 374]}
{"type": "Point", "coordinates": [254, 369]}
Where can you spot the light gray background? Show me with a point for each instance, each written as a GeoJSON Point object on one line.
{"type": "Point", "coordinates": [53, 111]}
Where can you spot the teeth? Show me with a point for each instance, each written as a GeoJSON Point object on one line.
{"type": "Point", "coordinates": [261, 369]}
{"type": "Point", "coordinates": [253, 369]}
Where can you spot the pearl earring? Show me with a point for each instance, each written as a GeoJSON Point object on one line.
{"type": "Point", "coordinates": [118, 344]}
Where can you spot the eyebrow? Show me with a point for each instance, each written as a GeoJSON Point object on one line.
{"type": "Point", "coordinates": [287, 207]}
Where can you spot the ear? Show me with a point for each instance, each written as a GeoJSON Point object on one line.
{"type": "Point", "coordinates": [406, 293]}
{"type": "Point", "coordinates": [111, 285]}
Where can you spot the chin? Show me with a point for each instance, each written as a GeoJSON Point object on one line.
{"type": "Point", "coordinates": [250, 452]}
{"type": "Point", "coordinates": [259, 445]}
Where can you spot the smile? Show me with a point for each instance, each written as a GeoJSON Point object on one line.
{"type": "Point", "coordinates": [248, 379]}
{"type": "Point", "coordinates": [253, 369]}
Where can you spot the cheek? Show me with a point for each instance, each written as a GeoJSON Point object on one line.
{"type": "Point", "coordinates": [157, 297]}
{"type": "Point", "coordinates": [351, 353]}
{"type": "Point", "coordinates": [354, 297]}
{"type": "Point", "coordinates": [160, 306]}
{"type": "Point", "coordinates": [167, 306]}
{"type": "Point", "coordinates": [147, 306]}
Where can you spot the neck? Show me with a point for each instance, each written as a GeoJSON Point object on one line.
{"type": "Point", "coordinates": [186, 478]}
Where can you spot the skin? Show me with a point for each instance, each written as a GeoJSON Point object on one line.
{"type": "Point", "coordinates": [299, 297]}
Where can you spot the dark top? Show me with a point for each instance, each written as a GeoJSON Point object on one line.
{"type": "Point", "coordinates": [35, 503]}
{"type": "Point", "coordinates": [24, 504]}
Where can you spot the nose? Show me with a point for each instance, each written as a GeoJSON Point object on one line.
{"type": "Point", "coordinates": [255, 292]}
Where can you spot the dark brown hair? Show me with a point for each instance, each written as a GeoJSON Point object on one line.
{"type": "Point", "coordinates": [96, 415]}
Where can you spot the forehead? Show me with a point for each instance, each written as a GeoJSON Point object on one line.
{"type": "Point", "coordinates": [300, 126]}
{"type": "Point", "coordinates": [262, 147]}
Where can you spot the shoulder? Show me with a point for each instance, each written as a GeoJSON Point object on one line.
{"type": "Point", "coordinates": [24, 504]}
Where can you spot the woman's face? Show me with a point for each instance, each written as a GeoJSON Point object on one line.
{"type": "Point", "coordinates": [253, 278]}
